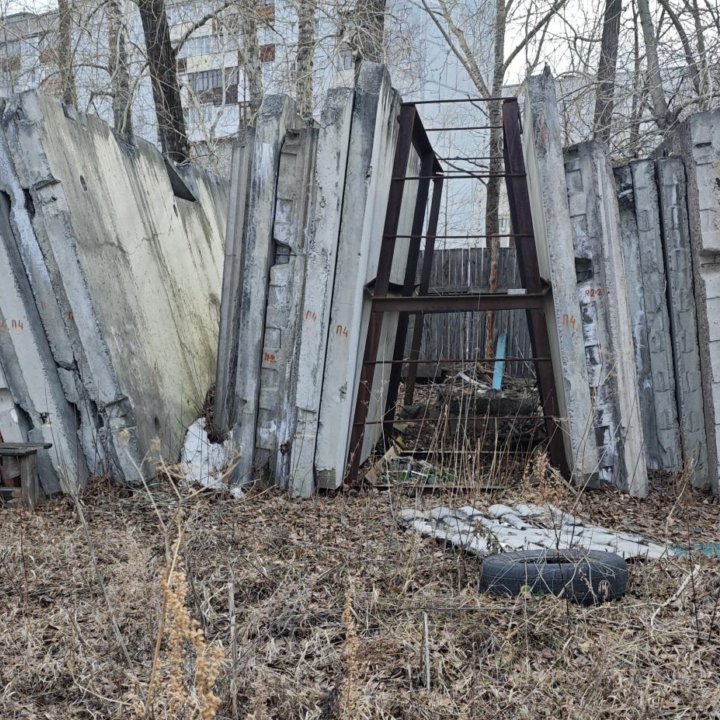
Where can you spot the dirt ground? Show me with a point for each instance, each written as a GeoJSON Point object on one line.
{"type": "Point", "coordinates": [337, 612]}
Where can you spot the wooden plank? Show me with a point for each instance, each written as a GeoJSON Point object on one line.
{"type": "Point", "coordinates": [30, 446]}
{"type": "Point", "coordinates": [29, 481]}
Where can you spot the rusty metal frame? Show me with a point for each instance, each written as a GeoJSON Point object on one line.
{"type": "Point", "coordinates": [412, 134]}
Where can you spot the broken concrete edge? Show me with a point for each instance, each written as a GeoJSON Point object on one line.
{"type": "Point", "coordinates": [232, 282]}
{"type": "Point", "coordinates": [662, 436]}
{"type": "Point", "coordinates": [629, 235]}
{"type": "Point", "coordinates": [543, 149]}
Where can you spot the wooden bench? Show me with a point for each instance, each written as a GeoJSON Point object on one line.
{"type": "Point", "coordinates": [26, 454]}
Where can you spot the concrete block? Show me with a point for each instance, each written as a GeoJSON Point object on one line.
{"type": "Point", "coordinates": [31, 394]}
{"type": "Point", "coordinates": [605, 318]}
{"type": "Point", "coordinates": [683, 318]}
{"type": "Point", "coordinates": [542, 141]}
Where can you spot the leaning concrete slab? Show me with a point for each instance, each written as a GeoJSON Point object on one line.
{"type": "Point", "coordinates": [329, 187]}
{"type": "Point", "coordinates": [700, 137]}
{"type": "Point", "coordinates": [683, 317]}
{"type": "Point", "coordinates": [636, 305]}
{"type": "Point", "coordinates": [276, 117]}
{"type": "Point", "coordinates": [542, 141]}
{"type": "Point", "coordinates": [278, 374]}
{"type": "Point", "coordinates": [605, 317]}
{"type": "Point", "coordinates": [34, 405]}
{"type": "Point", "coordinates": [646, 283]}
{"type": "Point", "coordinates": [225, 377]}
{"type": "Point", "coordinates": [125, 272]}
{"type": "Point", "coordinates": [667, 453]}
{"type": "Point", "coordinates": [369, 168]}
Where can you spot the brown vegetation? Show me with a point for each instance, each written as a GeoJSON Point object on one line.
{"type": "Point", "coordinates": [336, 612]}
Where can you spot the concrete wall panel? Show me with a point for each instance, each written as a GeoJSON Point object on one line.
{"type": "Point", "coordinates": [700, 139]}
{"type": "Point", "coordinates": [369, 169]}
{"type": "Point", "coordinates": [326, 210]}
{"type": "Point", "coordinates": [542, 142]}
{"type": "Point", "coordinates": [605, 317]}
{"type": "Point", "coordinates": [134, 273]}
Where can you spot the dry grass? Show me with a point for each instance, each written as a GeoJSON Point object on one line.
{"type": "Point", "coordinates": [330, 613]}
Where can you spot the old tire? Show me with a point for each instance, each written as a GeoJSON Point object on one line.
{"type": "Point", "coordinates": [583, 576]}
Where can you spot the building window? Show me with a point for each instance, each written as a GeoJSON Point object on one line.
{"type": "Point", "coordinates": [10, 63]}
{"type": "Point", "coordinates": [10, 60]}
{"type": "Point", "coordinates": [266, 12]}
{"type": "Point", "coordinates": [214, 87]}
{"type": "Point", "coordinates": [347, 61]}
{"type": "Point", "coordinates": [267, 53]}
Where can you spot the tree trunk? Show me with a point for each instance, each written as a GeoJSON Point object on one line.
{"type": "Point", "coordinates": [250, 59]}
{"type": "Point", "coordinates": [163, 73]}
{"type": "Point", "coordinates": [657, 93]}
{"type": "Point", "coordinates": [369, 31]}
{"type": "Point", "coordinates": [637, 99]}
{"type": "Point", "coordinates": [703, 74]}
{"type": "Point", "coordinates": [119, 74]}
{"type": "Point", "coordinates": [304, 59]}
{"type": "Point", "coordinates": [607, 65]}
{"type": "Point", "coordinates": [65, 53]}
{"type": "Point", "coordinates": [496, 168]}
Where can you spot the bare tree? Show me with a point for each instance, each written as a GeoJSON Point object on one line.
{"type": "Point", "coordinates": [606, 69]}
{"type": "Point", "coordinates": [657, 92]}
{"type": "Point", "coordinates": [163, 73]}
{"type": "Point", "coordinates": [250, 56]}
{"type": "Point", "coordinates": [490, 87]}
{"type": "Point", "coordinates": [118, 68]}
{"type": "Point", "coordinates": [363, 26]}
{"type": "Point", "coordinates": [65, 52]}
{"type": "Point", "coordinates": [304, 56]}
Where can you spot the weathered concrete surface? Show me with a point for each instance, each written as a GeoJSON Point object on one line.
{"type": "Point", "coordinates": [324, 229]}
{"type": "Point", "coordinates": [636, 306]}
{"type": "Point", "coordinates": [542, 141]}
{"type": "Point", "coordinates": [657, 320]}
{"type": "Point", "coordinates": [369, 168]}
{"type": "Point", "coordinates": [605, 317]}
{"type": "Point", "coordinates": [646, 284]}
{"type": "Point", "coordinates": [233, 266]}
{"type": "Point", "coordinates": [278, 375]}
{"type": "Point", "coordinates": [34, 407]}
{"type": "Point", "coordinates": [276, 117]}
{"type": "Point", "coordinates": [700, 138]}
{"type": "Point", "coordinates": [125, 278]}
{"type": "Point", "coordinates": [683, 318]}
